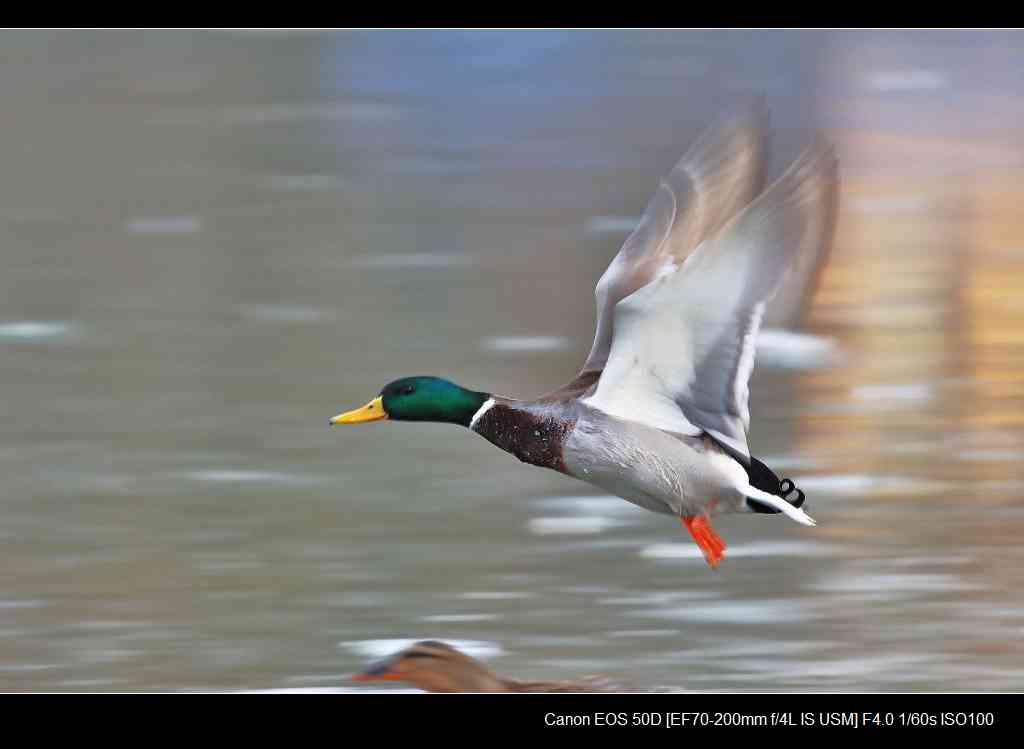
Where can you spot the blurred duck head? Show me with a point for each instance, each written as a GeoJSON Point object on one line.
{"type": "Point", "coordinates": [434, 667]}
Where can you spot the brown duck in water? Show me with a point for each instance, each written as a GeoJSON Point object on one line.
{"type": "Point", "coordinates": [436, 667]}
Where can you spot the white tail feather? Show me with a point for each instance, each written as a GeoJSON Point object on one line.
{"type": "Point", "coordinates": [794, 513]}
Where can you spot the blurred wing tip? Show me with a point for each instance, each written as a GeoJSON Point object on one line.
{"type": "Point", "coordinates": [750, 121]}
{"type": "Point", "coordinates": [815, 169]}
{"type": "Point", "coordinates": [822, 151]}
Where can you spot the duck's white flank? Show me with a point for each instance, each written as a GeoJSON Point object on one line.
{"type": "Point", "coordinates": [481, 411]}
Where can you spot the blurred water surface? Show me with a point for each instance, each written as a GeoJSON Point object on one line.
{"type": "Point", "coordinates": [212, 242]}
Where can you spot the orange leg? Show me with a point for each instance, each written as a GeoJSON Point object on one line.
{"type": "Point", "coordinates": [709, 542]}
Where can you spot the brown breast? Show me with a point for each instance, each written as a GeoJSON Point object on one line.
{"type": "Point", "coordinates": [534, 433]}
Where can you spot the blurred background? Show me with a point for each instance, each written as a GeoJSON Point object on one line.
{"type": "Point", "coordinates": [212, 242]}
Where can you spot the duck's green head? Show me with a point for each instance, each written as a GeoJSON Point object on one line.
{"type": "Point", "coordinates": [419, 399]}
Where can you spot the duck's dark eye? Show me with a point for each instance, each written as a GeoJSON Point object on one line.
{"type": "Point", "coordinates": [407, 390]}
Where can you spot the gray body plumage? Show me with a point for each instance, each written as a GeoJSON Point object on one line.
{"type": "Point", "coordinates": [661, 471]}
{"type": "Point", "coordinates": [659, 414]}
{"type": "Point", "coordinates": [673, 474]}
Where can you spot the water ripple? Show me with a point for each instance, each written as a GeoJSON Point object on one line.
{"type": "Point", "coordinates": [385, 647]}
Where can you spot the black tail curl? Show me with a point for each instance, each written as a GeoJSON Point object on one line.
{"type": "Point", "coordinates": [762, 477]}
{"type": "Point", "coordinates": [785, 491]}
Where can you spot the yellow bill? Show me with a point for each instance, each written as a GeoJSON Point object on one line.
{"type": "Point", "coordinates": [372, 411]}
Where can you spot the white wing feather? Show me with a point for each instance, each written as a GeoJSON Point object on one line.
{"type": "Point", "coordinates": [683, 347]}
{"type": "Point", "coordinates": [717, 178]}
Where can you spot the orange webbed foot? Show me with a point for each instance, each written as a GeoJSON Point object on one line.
{"type": "Point", "coordinates": [709, 542]}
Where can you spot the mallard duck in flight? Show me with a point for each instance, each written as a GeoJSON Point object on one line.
{"type": "Point", "coordinates": [659, 413]}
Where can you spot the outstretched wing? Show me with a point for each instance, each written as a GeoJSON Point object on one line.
{"type": "Point", "coordinates": [788, 308]}
{"type": "Point", "coordinates": [682, 348]}
{"type": "Point", "coordinates": [717, 177]}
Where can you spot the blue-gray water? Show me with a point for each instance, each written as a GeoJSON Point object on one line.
{"type": "Point", "coordinates": [213, 242]}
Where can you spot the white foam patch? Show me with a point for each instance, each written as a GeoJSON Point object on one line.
{"type": "Point", "coordinates": [29, 667]}
{"type": "Point", "coordinates": [168, 225]}
{"type": "Point", "coordinates": [281, 313]}
{"type": "Point", "coordinates": [687, 550]}
{"type": "Point", "coordinates": [639, 633]}
{"type": "Point", "coordinates": [249, 477]}
{"type": "Point", "coordinates": [660, 599]}
{"type": "Point", "coordinates": [607, 504]}
{"type": "Point", "coordinates": [526, 343]}
{"type": "Point", "coordinates": [456, 618]}
{"type": "Point", "coordinates": [784, 349]}
{"type": "Point", "coordinates": [494, 595]}
{"type": "Point", "coordinates": [569, 526]}
{"type": "Point", "coordinates": [412, 260]}
{"type": "Point", "coordinates": [87, 684]}
{"type": "Point", "coordinates": [736, 612]}
{"type": "Point", "coordinates": [110, 654]}
{"type": "Point", "coordinates": [889, 583]}
{"type": "Point", "coordinates": [386, 647]}
{"type": "Point", "coordinates": [599, 225]}
{"type": "Point", "coordinates": [917, 392]}
{"type": "Point", "coordinates": [318, 679]}
{"type": "Point", "coordinates": [906, 80]}
{"type": "Point", "coordinates": [29, 330]}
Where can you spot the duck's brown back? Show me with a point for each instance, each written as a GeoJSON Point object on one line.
{"type": "Point", "coordinates": [438, 667]}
